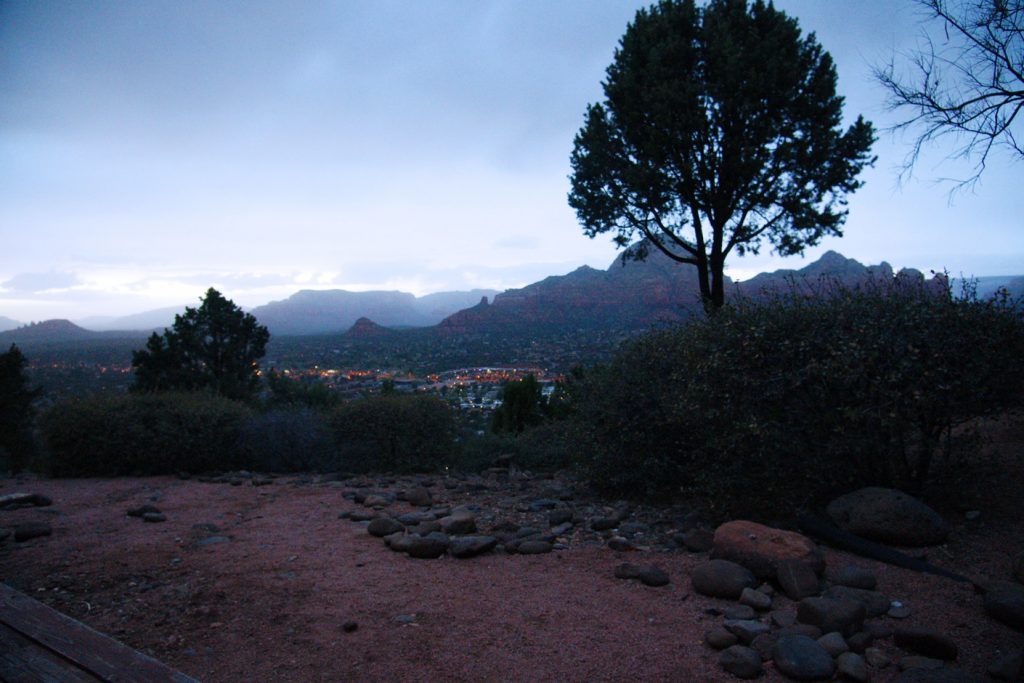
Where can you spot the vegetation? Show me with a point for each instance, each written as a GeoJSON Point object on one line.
{"type": "Point", "coordinates": [288, 439]}
{"type": "Point", "coordinates": [720, 129]}
{"type": "Point", "coordinates": [522, 406]}
{"type": "Point", "coordinates": [215, 347]}
{"type": "Point", "coordinates": [788, 402]}
{"type": "Point", "coordinates": [969, 86]}
{"type": "Point", "coordinates": [16, 443]}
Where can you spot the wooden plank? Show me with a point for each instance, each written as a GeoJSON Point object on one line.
{"type": "Point", "coordinates": [99, 655]}
{"type": "Point", "coordinates": [24, 661]}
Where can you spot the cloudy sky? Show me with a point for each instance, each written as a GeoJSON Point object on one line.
{"type": "Point", "coordinates": [151, 149]}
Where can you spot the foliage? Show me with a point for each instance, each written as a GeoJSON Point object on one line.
{"type": "Point", "coordinates": [969, 86]}
{"type": "Point", "coordinates": [16, 443]}
{"type": "Point", "coordinates": [546, 447]}
{"type": "Point", "coordinates": [144, 434]}
{"type": "Point", "coordinates": [290, 439]}
{"type": "Point", "coordinates": [216, 346]}
{"type": "Point", "coordinates": [720, 129]}
{"type": "Point", "coordinates": [523, 405]}
{"type": "Point", "coordinates": [394, 433]}
{"type": "Point", "coordinates": [288, 392]}
{"type": "Point", "coordinates": [790, 401]}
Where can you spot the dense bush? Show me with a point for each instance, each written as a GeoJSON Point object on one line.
{"type": "Point", "coordinates": [546, 447]}
{"type": "Point", "coordinates": [143, 434]}
{"type": "Point", "coordinates": [287, 440]}
{"type": "Point", "coordinates": [395, 433]}
{"type": "Point", "coordinates": [17, 446]}
{"type": "Point", "coordinates": [785, 402]}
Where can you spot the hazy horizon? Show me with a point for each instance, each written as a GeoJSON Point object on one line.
{"type": "Point", "coordinates": [149, 151]}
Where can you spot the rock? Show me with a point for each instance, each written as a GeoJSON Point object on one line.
{"type": "Point", "coordinates": [262, 481]}
{"type": "Point", "coordinates": [888, 516]}
{"type": "Point", "coordinates": [761, 548]}
{"type": "Point", "coordinates": [740, 661]}
{"type": "Point", "coordinates": [620, 544]}
{"type": "Point", "coordinates": [746, 629]}
{"type": "Point", "coordinates": [722, 579]}
{"type": "Point", "coordinates": [897, 610]}
{"type": "Point", "coordinates": [361, 516]}
{"type": "Point", "coordinates": [802, 658]}
{"type": "Point", "coordinates": [414, 518]}
{"type": "Point", "coordinates": [560, 516]}
{"type": "Point", "coordinates": [877, 658]}
{"type": "Point", "coordinates": [561, 529]}
{"type": "Point", "coordinates": [471, 546]}
{"type": "Point", "coordinates": [398, 542]}
{"type": "Point", "coordinates": [719, 638]}
{"type": "Point", "coordinates": [925, 641]}
{"type": "Point", "coordinates": [875, 604]}
{"type": "Point", "coordinates": [1009, 667]}
{"type": "Point", "coordinates": [533, 548]}
{"type": "Point", "coordinates": [782, 619]}
{"type": "Point", "coordinates": [845, 616]}
{"type": "Point", "coordinates": [834, 643]}
{"type": "Point", "coordinates": [853, 576]}
{"type": "Point", "coordinates": [627, 571]}
{"type": "Point", "coordinates": [1004, 602]}
{"type": "Point", "coordinates": [28, 530]}
{"type": "Point", "coordinates": [801, 630]}
{"type": "Point", "coordinates": [764, 643]}
{"type": "Point", "coordinates": [879, 630]}
{"type": "Point", "coordinates": [384, 526]}
{"type": "Point", "coordinates": [141, 510]}
{"type": "Point", "coordinates": [695, 540]}
{"type": "Point", "coordinates": [458, 523]}
{"type": "Point", "coordinates": [797, 580]}
{"type": "Point", "coordinates": [756, 599]}
{"type": "Point", "coordinates": [859, 642]}
{"type": "Point", "coordinates": [739, 611]}
{"type": "Point", "coordinates": [349, 626]}
{"type": "Point", "coordinates": [419, 496]}
{"type": "Point", "coordinates": [426, 547]}
{"type": "Point", "coordinates": [154, 517]}
{"type": "Point", "coordinates": [653, 576]}
{"type": "Point", "coordinates": [852, 666]}
{"type": "Point", "coordinates": [12, 501]}
{"type": "Point", "coordinates": [604, 523]}
{"type": "Point", "coordinates": [376, 501]}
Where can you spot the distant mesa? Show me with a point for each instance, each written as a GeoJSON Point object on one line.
{"type": "Point", "coordinates": [8, 324]}
{"type": "Point", "coordinates": [364, 328]}
{"type": "Point", "coordinates": [47, 331]}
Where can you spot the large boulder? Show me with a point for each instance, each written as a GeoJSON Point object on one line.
{"type": "Point", "coordinates": [722, 579]}
{"type": "Point", "coordinates": [761, 549]}
{"type": "Point", "coordinates": [889, 516]}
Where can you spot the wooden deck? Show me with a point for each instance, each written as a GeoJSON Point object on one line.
{"type": "Point", "coordinates": [39, 644]}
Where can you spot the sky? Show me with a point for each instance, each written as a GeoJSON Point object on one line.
{"type": "Point", "coordinates": [150, 150]}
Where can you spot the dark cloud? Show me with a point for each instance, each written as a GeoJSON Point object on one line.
{"type": "Point", "coordinates": [31, 283]}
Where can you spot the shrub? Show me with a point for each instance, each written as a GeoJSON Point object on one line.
{"type": "Point", "coordinates": [394, 432]}
{"type": "Point", "coordinates": [546, 447]}
{"type": "Point", "coordinates": [791, 400]}
{"type": "Point", "coordinates": [287, 440]}
{"type": "Point", "coordinates": [143, 434]}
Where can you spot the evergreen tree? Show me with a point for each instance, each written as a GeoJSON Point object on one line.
{"type": "Point", "coordinates": [16, 445]}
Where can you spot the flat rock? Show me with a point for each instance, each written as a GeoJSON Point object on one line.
{"type": "Point", "coordinates": [802, 659]}
{"type": "Point", "coordinates": [828, 614]}
{"type": "Point", "coordinates": [741, 661]}
{"type": "Point", "coordinates": [925, 641]}
{"type": "Point", "coordinates": [1004, 602]}
{"type": "Point", "coordinates": [761, 548]}
{"type": "Point", "coordinates": [889, 516]}
{"type": "Point", "coordinates": [533, 548]}
{"type": "Point", "coordinates": [10, 501]}
{"type": "Point", "coordinates": [29, 530]}
{"type": "Point", "coordinates": [471, 546]}
{"type": "Point", "coordinates": [722, 579]}
{"type": "Point", "coordinates": [746, 629]}
{"type": "Point", "coordinates": [154, 517]}
{"type": "Point", "coordinates": [739, 611]}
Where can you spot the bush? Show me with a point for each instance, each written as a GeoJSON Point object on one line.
{"type": "Point", "coordinates": [288, 440]}
{"type": "Point", "coordinates": [792, 400]}
{"type": "Point", "coordinates": [546, 447]}
{"type": "Point", "coordinates": [394, 433]}
{"type": "Point", "coordinates": [143, 434]}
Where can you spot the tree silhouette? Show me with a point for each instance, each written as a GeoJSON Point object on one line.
{"type": "Point", "coordinates": [16, 445]}
{"type": "Point", "coordinates": [216, 347]}
{"type": "Point", "coordinates": [969, 86]}
{"type": "Point", "coordinates": [719, 129]}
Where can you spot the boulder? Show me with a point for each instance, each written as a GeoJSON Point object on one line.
{"type": "Point", "coordinates": [797, 580]}
{"type": "Point", "coordinates": [426, 547]}
{"type": "Point", "coordinates": [1004, 602]}
{"type": "Point", "coordinates": [746, 629]}
{"type": "Point", "coordinates": [755, 599]}
{"type": "Point", "coordinates": [458, 523]}
{"type": "Point", "coordinates": [533, 548]}
{"type": "Point", "coordinates": [384, 526]}
{"type": "Point", "coordinates": [741, 661]}
{"type": "Point", "coordinates": [844, 616]}
{"type": "Point", "coordinates": [719, 638]}
{"type": "Point", "coordinates": [29, 530]}
{"type": "Point", "coordinates": [802, 658]}
{"type": "Point", "coordinates": [418, 496]}
{"type": "Point", "coordinates": [888, 516]}
{"type": "Point", "coordinates": [722, 579]}
{"type": "Point", "coordinates": [471, 546]}
{"type": "Point", "coordinates": [762, 548]}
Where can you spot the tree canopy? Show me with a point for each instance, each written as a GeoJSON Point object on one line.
{"type": "Point", "coordinates": [215, 347]}
{"type": "Point", "coordinates": [720, 129]}
{"type": "Point", "coordinates": [16, 399]}
{"type": "Point", "coordinates": [968, 84]}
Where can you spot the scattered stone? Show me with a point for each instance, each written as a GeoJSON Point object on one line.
{"type": "Point", "coordinates": [761, 548]}
{"type": "Point", "coordinates": [782, 619]}
{"type": "Point", "coordinates": [852, 666]}
{"type": "Point", "coordinates": [859, 642]}
{"type": "Point", "coordinates": [722, 579]}
{"type": "Point", "coordinates": [13, 501]}
{"type": "Point", "coordinates": [764, 644]}
{"type": "Point", "coordinates": [458, 523]}
{"type": "Point", "coordinates": [888, 516]}
{"type": "Point", "coordinates": [604, 523]}
{"type": "Point", "coordinates": [740, 661]}
{"type": "Point", "coordinates": [361, 516]}
{"type": "Point", "coordinates": [755, 599]}
{"type": "Point", "coordinates": [739, 612]}
{"type": "Point", "coordinates": [1004, 602]}
{"type": "Point", "coordinates": [719, 638]}
{"type": "Point", "coordinates": [384, 526]}
{"type": "Point", "coordinates": [620, 544]}
{"type": "Point", "coordinates": [213, 540]}
{"type": "Point", "coordinates": [414, 518]}
{"type": "Point", "coordinates": [845, 616]}
{"type": "Point", "coordinates": [695, 540]}
{"type": "Point", "coordinates": [398, 542]}
{"type": "Point", "coordinates": [349, 626]}
{"type": "Point", "coordinates": [877, 658]}
{"type": "Point", "coordinates": [746, 629]}
{"type": "Point", "coordinates": [154, 517]}
{"type": "Point", "coordinates": [1009, 667]}
{"type": "Point", "coordinates": [802, 658]}
{"type": "Point", "coordinates": [142, 510]}
{"type": "Point", "coordinates": [897, 610]}
{"type": "Point", "coordinates": [533, 548]}
{"type": "Point", "coordinates": [797, 580]}
{"type": "Point", "coordinates": [419, 496]}
{"type": "Point", "coordinates": [925, 641]}
{"type": "Point", "coordinates": [834, 643]}
{"type": "Point", "coordinates": [875, 604]}
{"type": "Point", "coordinates": [801, 630]}
{"type": "Point", "coordinates": [26, 531]}
{"type": "Point", "coordinates": [541, 504]}
{"type": "Point", "coordinates": [853, 576]}
{"type": "Point", "coordinates": [653, 576]}
{"type": "Point", "coordinates": [627, 571]}
{"type": "Point", "coordinates": [471, 546]}
{"type": "Point", "coordinates": [560, 516]}
{"type": "Point", "coordinates": [426, 547]}
{"type": "Point", "coordinates": [375, 501]}
{"type": "Point", "coordinates": [561, 529]}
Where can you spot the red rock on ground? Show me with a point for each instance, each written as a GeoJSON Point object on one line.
{"type": "Point", "coordinates": [761, 548]}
